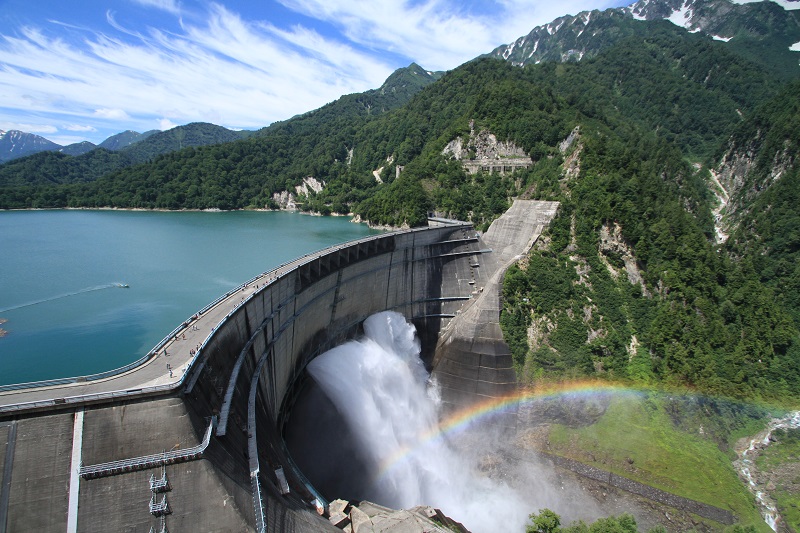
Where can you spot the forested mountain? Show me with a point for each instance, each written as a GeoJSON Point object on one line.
{"type": "Point", "coordinates": [130, 148]}
{"type": "Point", "coordinates": [640, 141]}
{"type": "Point", "coordinates": [74, 164]}
{"type": "Point", "coordinates": [124, 139]}
{"type": "Point", "coordinates": [78, 148]}
{"type": "Point", "coordinates": [178, 138]}
{"type": "Point", "coordinates": [17, 144]}
{"type": "Point", "coordinates": [761, 175]}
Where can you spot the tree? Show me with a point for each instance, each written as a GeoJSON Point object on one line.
{"type": "Point", "coordinates": [545, 522]}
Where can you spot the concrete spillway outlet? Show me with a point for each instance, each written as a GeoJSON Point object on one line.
{"type": "Point", "coordinates": [324, 448]}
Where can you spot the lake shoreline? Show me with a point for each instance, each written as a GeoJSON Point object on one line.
{"type": "Point", "coordinates": [355, 219]}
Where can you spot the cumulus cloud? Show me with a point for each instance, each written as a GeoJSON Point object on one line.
{"type": "Point", "coordinates": [165, 124]}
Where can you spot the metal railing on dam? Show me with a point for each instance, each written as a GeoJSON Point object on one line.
{"type": "Point", "coordinates": [79, 390]}
{"type": "Point", "coordinates": [239, 360]}
{"type": "Point", "coordinates": [149, 461]}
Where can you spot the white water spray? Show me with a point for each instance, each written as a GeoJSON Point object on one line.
{"type": "Point", "coordinates": [380, 386]}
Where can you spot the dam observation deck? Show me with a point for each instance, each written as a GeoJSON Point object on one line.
{"type": "Point", "coordinates": [207, 405]}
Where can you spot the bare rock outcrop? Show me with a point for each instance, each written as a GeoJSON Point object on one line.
{"type": "Point", "coordinates": [612, 245]}
{"type": "Point", "coordinates": [287, 201]}
{"type": "Point", "coordinates": [482, 146]}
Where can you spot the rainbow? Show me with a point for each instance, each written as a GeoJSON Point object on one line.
{"type": "Point", "coordinates": [461, 420]}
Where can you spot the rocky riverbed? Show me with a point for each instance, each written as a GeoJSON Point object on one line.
{"type": "Point", "coordinates": [764, 483]}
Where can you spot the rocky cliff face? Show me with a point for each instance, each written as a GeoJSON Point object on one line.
{"type": "Point", "coordinates": [287, 200]}
{"type": "Point", "coordinates": [482, 146]}
{"type": "Point", "coordinates": [747, 169]}
{"type": "Point", "coordinates": [772, 27]}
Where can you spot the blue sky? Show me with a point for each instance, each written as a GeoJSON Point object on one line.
{"type": "Point", "coordinates": [86, 69]}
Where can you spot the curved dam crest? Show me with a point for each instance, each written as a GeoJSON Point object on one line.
{"type": "Point", "coordinates": [198, 444]}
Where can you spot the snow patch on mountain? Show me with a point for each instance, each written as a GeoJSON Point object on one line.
{"type": "Point", "coordinates": [682, 16]}
{"type": "Point", "coordinates": [637, 15]}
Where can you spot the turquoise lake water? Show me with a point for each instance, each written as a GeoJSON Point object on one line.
{"type": "Point", "coordinates": [65, 314]}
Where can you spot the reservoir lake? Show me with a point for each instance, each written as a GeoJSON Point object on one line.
{"type": "Point", "coordinates": [85, 291]}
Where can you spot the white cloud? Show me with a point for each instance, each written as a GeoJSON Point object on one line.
{"type": "Point", "coordinates": [113, 114]}
{"type": "Point", "coordinates": [170, 6]}
{"type": "Point", "coordinates": [79, 127]}
{"type": "Point", "coordinates": [28, 128]}
{"type": "Point", "coordinates": [166, 124]}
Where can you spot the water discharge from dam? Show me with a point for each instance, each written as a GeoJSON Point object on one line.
{"type": "Point", "coordinates": [394, 447]}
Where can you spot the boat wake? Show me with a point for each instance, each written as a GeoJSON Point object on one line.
{"type": "Point", "coordinates": [66, 295]}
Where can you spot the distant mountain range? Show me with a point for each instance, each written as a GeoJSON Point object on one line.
{"type": "Point", "coordinates": [15, 144]}
{"type": "Point", "coordinates": [767, 32]}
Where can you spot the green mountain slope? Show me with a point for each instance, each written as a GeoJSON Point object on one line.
{"type": "Point", "coordinates": [628, 283]}
{"type": "Point", "coordinates": [762, 174]}
{"type": "Point", "coordinates": [48, 168]}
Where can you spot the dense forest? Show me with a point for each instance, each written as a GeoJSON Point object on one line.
{"type": "Point", "coordinates": [628, 282]}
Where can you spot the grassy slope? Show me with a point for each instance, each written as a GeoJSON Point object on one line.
{"type": "Point", "coordinates": [636, 438]}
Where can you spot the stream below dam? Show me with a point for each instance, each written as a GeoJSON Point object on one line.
{"type": "Point", "coordinates": [745, 466]}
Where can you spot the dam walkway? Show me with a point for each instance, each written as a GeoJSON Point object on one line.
{"type": "Point", "coordinates": [166, 367]}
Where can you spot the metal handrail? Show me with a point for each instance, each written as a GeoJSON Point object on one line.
{"type": "Point", "coordinates": [295, 263]}
{"type": "Point", "coordinates": [148, 461]}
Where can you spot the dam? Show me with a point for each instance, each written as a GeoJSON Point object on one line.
{"type": "Point", "coordinates": [190, 437]}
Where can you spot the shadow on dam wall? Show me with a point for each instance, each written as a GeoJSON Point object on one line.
{"type": "Point", "coordinates": [252, 369]}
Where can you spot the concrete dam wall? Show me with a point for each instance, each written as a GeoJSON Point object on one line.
{"type": "Point", "coordinates": [202, 449]}
{"type": "Point", "coordinates": [253, 367]}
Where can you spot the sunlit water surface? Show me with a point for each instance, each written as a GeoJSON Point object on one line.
{"type": "Point", "coordinates": [61, 271]}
